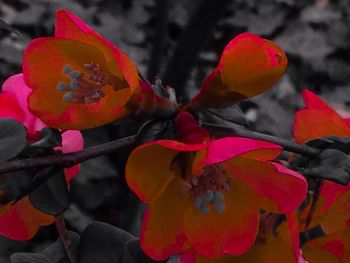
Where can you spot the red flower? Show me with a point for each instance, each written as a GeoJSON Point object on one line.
{"type": "Point", "coordinates": [21, 221]}
{"type": "Point", "coordinates": [205, 197]}
{"type": "Point", "coordinates": [248, 66]}
{"type": "Point", "coordinates": [79, 79]}
{"type": "Point", "coordinates": [332, 211]}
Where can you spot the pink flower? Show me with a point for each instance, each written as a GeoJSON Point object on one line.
{"type": "Point", "coordinates": [21, 221]}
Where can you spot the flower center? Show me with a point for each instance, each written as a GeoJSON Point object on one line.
{"type": "Point", "coordinates": [206, 189]}
{"type": "Point", "coordinates": [84, 88]}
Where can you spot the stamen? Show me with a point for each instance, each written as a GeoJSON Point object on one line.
{"type": "Point", "coordinates": [204, 210]}
{"type": "Point", "coordinates": [84, 88]}
{"type": "Point", "coordinates": [67, 69]}
{"type": "Point", "coordinates": [68, 97]}
{"type": "Point", "coordinates": [62, 86]}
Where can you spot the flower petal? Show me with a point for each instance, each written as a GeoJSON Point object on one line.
{"type": "Point", "coordinates": [72, 141]}
{"type": "Point", "coordinates": [149, 167]}
{"type": "Point", "coordinates": [249, 64]}
{"type": "Point", "coordinates": [162, 233]}
{"type": "Point", "coordinates": [232, 231]}
{"type": "Point", "coordinates": [226, 148]}
{"type": "Point", "coordinates": [47, 101]}
{"type": "Point", "coordinates": [317, 120]}
{"type": "Point", "coordinates": [277, 187]}
{"type": "Point", "coordinates": [69, 26]}
{"type": "Point", "coordinates": [332, 247]}
{"type": "Point", "coordinates": [9, 108]}
{"type": "Point", "coordinates": [16, 86]}
{"type": "Point", "coordinates": [21, 221]}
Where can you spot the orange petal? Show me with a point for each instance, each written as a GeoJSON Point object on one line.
{"type": "Point", "coordinates": [162, 232]}
{"type": "Point", "coordinates": [249, 64]}
{"type": "Point", "coordinates": [47, 102]}
{"type": "Point", "coordinates": [334, 247]}
{"type": "Point", "coordinates": [232, 231]}
{"type": "Point", "coordinates": [149, 167]}
{"type": "Point", "coordinates": [317, 120]}
{"type": "Point", "coordinates": [21, 221]}
{"type": "Point", "coordinates": [69, 26]}
{"type": "Point", "coordinates": [278, 188]}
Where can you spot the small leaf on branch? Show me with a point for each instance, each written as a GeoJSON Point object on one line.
{"type": "Point", "coordinates": [154, 130]}
{"type": "Point", "coordinates": [331, 142]}
{"type": "Point", "coordinates": [231, 115]}
{"type": "Point", "coordinates": [53, 254]}
{"type": "Point", "coordinates": [13, 185]}
{"type": "Point", "coordinates": [330, 164]}
{"type": "Point", "coordinates": [7, 27]}
{"type": "Point", "coordinates": [52, 196]}
{"type": "Point", "coordinates": [12, 139]}
{"type": "Point", "coordinates": [50, 137]}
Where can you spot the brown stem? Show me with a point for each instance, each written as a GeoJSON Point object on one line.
{"type": "Point", "coordinates": [286, 144]}
{"type": "Point", "coordinates": [67, 242]}
{"type": "Point", "coordinates": [69, 159]}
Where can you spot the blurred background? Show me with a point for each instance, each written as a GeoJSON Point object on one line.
{"type": "Point", "coordinates": [181, 41]}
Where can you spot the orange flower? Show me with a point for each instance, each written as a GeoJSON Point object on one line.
{"type": "Point", "coordinates": [248, 66]}
{"type": "Point", "coordinates": [332, 211]}
{"type": "Point", "coordinates": [204, 196]}
{"type": "Point", "coordinates": [79, 79]}
{"type": "Point", "coordinates": [276, 244]}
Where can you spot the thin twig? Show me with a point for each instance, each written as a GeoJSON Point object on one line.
{"type": "Point", "coordinates": [67, 242]}
{"type": "Point", "coordinates": [69, 159]}
{"type": "Point", "coordinates": [162, 17]}
{"type": "Point", "coordinates": [196, 34]}
{"type": "Point", "coordinates": [286, 144]}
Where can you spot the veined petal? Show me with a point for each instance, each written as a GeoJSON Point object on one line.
{"type": "Point", "coordinates": [230, 147]}
{"type": "Point", "coordinates": [317, 120]}
{"type": "Point", "coordinates": [250, 64]}
{"type": "Point", "coordinates": [21, 221]}
{"type": "Point", "coordinates": [69, 26]}
{"type": "Point", "coordinates": [232, 231]}
{"type": "Point", "coordinates": [16, 86]}
{"type": "Point", "coordinates": [332, 247]}
{"type": "Point", "coordinates": [9, 107]}
{"type": "Point", "coordinates": [276, 248]}
{"type": "Point", "coordinates": [72, 141]}
{"type": "Point", "coordinates": [47, 100]}
{"type": "Point", "coordinates": [162, 233]}
{"type": "Point", "coordinates": [149, 167]}
{"type": "Point", "coordinates": [276, 186]}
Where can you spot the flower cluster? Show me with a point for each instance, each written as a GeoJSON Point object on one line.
{"type": "Point", "coordinates": [209, 199]}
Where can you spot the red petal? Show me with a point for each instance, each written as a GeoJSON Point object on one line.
{"type": "Point", "coordinates": [9, 107]}
{"type": "Point", "coordinates": [16, 86]}
{"type": "Point", "coordinates": [226, 148]}
{"type": "Point", "coordinates": [72, 141]}
{"type": "Point", "coordinates": [21, 221]}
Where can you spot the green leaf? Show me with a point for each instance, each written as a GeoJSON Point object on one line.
{"type": "Point", "coordinates": [104, 243]}
{"type": "Point", "coordinates": [12, 138]}
{"type": "Point", "coordinates": [55, 253]}
{"type": "Point", "coordinates": [52, 196]}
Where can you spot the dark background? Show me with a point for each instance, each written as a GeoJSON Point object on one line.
{"type": "Point", "coordinates": [181, 41]}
